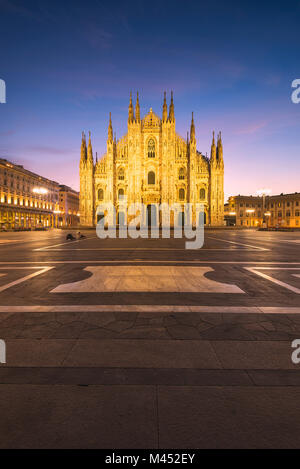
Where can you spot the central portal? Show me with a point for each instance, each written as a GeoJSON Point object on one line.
{"type": "Point", "coordinates": [152, 215]}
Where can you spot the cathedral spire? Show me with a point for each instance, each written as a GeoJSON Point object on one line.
{"type": "Point", "coordinates": [213, 153]}
{"type": "Point", "coordinates": [171, 109]}
{"type": "Point", "coordinates": [130, 110]}
{"type": "Point", "coordinates": [193, 135]}
{"type": "Point", "coordinates": [90, 150]}
{"type": "Point", "coordinates": [83, 147]}
{"type": "Point", "coordinates": [220, 147]}
{"type": "Point", "coordinates": [165, 109]}
{"type": "Point", "coordinates": [110, 130]}
{"type": "Point", "coordinates": [137, 108]}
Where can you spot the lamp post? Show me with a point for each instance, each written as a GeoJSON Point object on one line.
{"type": "Point", "coordinates": [267, 215]}
{"type": "Point", "coordinates": [250, 212]}
{"type": "Point", "coordinates": [56, 216]}
{"type": "Point", "coordinates": [263, 193]}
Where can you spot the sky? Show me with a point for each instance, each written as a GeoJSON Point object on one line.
{"type": "Point", "coordinates": [68, 64]}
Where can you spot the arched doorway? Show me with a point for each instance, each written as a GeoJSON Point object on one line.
{"type": "Point", "coordinates": [204, 218]}
{"type": "Point", "coordinates": [151, 215]}
{"type": "Point", "coordinates": [181, 219]}
{"type": "Point", "coordinates": [100, 216]}
{"type": "Point", "coordinates": [121, 218]}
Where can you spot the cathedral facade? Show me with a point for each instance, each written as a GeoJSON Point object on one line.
{"type": "Point", "coordinates": [152, 164]}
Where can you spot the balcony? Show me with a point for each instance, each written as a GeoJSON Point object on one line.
{"type": "Point", "coordinates": [151, 187]}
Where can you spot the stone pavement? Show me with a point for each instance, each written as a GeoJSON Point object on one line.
{"type": "Point", "coordinates": [165, 367]}
{"type": "Point", "coordinates": [149, 380]}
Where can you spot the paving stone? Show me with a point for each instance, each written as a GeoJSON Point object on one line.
{"type": "Point", "coordinates": [78, 417]}
{"type": "Point", "coordinates": [97, 333]}
{"type": "Point", "coordinates": [239, 417]}
{"type": "Point", "coordinates": [119, 326]}
{"type": "Point", "coordinates": [33, 352]}
{"type": "Point", "coordinates": [254, 355]}
{"type": "Point", "coordinates": [144, 332]}
{"type": "Point", "coordinates": [143, 353]}
{"type": "Point", "coordinates": [275, 377]}
{"type": "Point", "coordinates": [183, 332]}
{"type": "Point", "coordinates": [226, 332]}
{"type": "Point", "coordinates": [132, 376]}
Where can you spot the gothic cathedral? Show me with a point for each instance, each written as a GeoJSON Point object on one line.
{"type": "Point", "coordinates": [152, 164]}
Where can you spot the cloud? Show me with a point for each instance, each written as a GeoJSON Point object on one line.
{"type": "Point", "coordinates": [98, 37]}
{"type": "Point", "coordinates": [7, 133]}
{"type": "Point", "coordinates": [11, 7]}
{"type": "Point", "coordinates": [252, 128]}
{"type": "Point", "coordinates": [42, 150]}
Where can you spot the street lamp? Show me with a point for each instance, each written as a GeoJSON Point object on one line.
{"type": "Point", "coordinates": [268, 214]}
{"type": "Point", "coordinates": [250, 211]}
{"type": "Point", "coordinates": [263, 193]}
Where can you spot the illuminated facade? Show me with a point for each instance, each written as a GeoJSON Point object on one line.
{"type": "Point", "coordinates": [27, 201]}
{"type": "Point", "coordinates": [68, 207]}
{"type": "Point", "coordinates": [152, 164]}
{"type": "Point", "coordinates": [271, 211]}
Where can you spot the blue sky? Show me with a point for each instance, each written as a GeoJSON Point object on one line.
{"type": "Point", "coordinates": [68, 64]}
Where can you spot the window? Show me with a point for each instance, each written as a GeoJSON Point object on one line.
{"type": "Point", "coordinates": [121, 174]}
{"type": "Point", "coordinates": [151, 177]}
{"type": "Point", "coordinates": [288, 213]}
{"type": "Point", "coordinates": [151, 148]}
{"type": "Point", "coordinates": [202, 194]}
{"type": "Point", "coordinates": [181, 174]}
{"type": "Point", "coordinates": [100, 194]}
{"type": "Point", "coordinates": [181, 194]}
{"type": "Point", "coordinates": [120, 193]}
{"type": "Point", "coordinates": [297, 213]}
